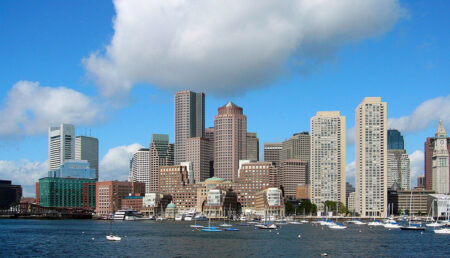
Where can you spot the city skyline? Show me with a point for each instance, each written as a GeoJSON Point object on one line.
{"type": "Point", "coordinates": [291, 100]}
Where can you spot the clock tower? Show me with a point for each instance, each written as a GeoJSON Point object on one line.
{"type": "Point", "coordinates": [440, 162]}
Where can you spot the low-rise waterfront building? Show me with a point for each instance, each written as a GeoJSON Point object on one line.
{"type": "Point", "coordinates": [269, 202]}
{"type": "Point", "coordinates": [132, 202]}
{"type": "Point", "coordinates": [402, 200]}
{"type": "Point", "coordinates": [9, 194]}
{"type": "Point", "coordinates": [109, 195]}
{"type": "Point", "coordinates": [441, 203]}
{"type": "Point", "coordinates": [64, 192]}
{"type": "Point", "coordinates": [220, 203]}
{"type": "Point", "coordinates": [154, 204]}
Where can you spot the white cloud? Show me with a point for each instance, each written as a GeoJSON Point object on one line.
{"type": "Point", "coordinates": [229, 46]}
{"type": "Point", "coordinates": [428, 112]}
{"type": "Point", "coordinates": [115, 165]}
{"type": "Point", "coordinates": [30, 108]}
{"type": "Point", "coordinates": [350, 170]}
{"type": "Point", "coordinates": [417, 160]}
{"type": "Point", "coordinates": [24, 172]}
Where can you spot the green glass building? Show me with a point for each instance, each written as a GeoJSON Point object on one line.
{"type": "Point", "coordinates": [65, 192]}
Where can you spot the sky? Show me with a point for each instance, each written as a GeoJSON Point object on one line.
{"type": "Point", "coordinates": [112, 68]}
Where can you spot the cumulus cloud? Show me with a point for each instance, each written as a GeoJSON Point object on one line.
{"type": "Point", "coordinates": [229, 46]}
{"type": "Point", "coordinates": [115, 165]}
{"type": "Point", "coordinates": [427, 113]}
{"type": "Point", "coordinates": [24, 172]}
{"type": "Point", "coordinates": [417, 160]}
{"type": "Point", "coordinates": [30, 108]}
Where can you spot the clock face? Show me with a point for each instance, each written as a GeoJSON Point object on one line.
{"type": "Point", "coordinates": [442, 142]}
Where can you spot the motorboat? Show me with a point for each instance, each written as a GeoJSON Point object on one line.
{"type": "Point", "coordinates": [201, 217]}
{"type": "Point", "coordinates": [303, 221]}
{"type": "Point", "coordinates": [266, 226]}
{"type": "Point", "coordinates": [375, 223]}
{"type": "Point", "coordinates": [442, 231]}
{"type": "Point", "coordinates": [112, 237]}
{"type": "Point", "coordinates": [337, 226]}
{"type": "Point", "coordinates": [295, 222]}
{"type": "Point", "coordinates": [413, 227]}
{"type": "Point", "coordinates": [127, 215]}
{"type": "Point", "coordinates": [179, 217]}
{"type": "Point", "coordinates": [392, 225]}
{"type": "Point", "coordinates": [434, 224]}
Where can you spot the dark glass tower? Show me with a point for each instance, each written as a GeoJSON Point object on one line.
{"type": "Point", "coordinates": [395, 140]}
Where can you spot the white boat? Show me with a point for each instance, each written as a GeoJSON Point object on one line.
{"type": "Point", "coordinates": [127, 215]}
{"type": "Point", "coordinates": [188, 217]}
{"type": "Point", "coordinates": [434, 224]}
{"type": "Point", "coordinates": [442, 231]}
{"type": "Point", "coordinates": [392, 225]}
{"type": "Point", "coordinates": [179, 217]}
{"type": "Point", "coordinates": [266, 226]}
{"type": "Point", "coordinates": [119, 215]}
{"type": "Point", "coordinates": [112, 237]}
{"type": "Point", "coordinates": [196, 226]}
{"type": "Point", "coordinates": [160, 218]}
{"type": "Point", "coordinates": [295, 222]}
{"type": "Point", "coordinates": [375, 223]}
{"type": "Point", "coordinates": [337, 226]}
{"type": "Point", "coordinates": [303, 221]}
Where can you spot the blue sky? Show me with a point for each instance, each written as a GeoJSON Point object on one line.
{"type": "Point", "coordinates": [404, 58]}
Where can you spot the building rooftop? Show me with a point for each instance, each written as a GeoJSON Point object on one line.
{"type": "Point", "coordinates": [214, 179]}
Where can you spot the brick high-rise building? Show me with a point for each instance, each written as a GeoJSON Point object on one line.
{"type": "Point", "coordinates": [252, 147]}
{"type": "Point", "coordinates": [189, 120]}
{"type": "Point", "coordinates": [297, 147]}
{"type": "Point", "coordinates": [293, 172]}
{"type": "Point", "coordinates": [200, 153]}
{"type": "Point", "coordinates": [371, 157]}
{"type": "Point", "coordinates": [272, 152]}
{"type": "Point", "coordinates": [230, 141]}
{"type": "Point", "coordinates": [109, 195]}
{"type": "Point", "coordinates": [430, 146]}
{"type": "Point", "coordinates": [161, 154]}
{"type": "Point", "coordinates": [327, 164]}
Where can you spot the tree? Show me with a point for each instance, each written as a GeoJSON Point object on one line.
{"type": "Point", "coordinates": [332, 207]}
{"type": "Point", "coordinates": [289, 208]}
{"type": "Point", "coordinates": [306, 206]}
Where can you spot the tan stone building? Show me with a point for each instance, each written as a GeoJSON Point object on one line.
{"type": "Point", "coordinates": [230, 141]}
{"type": "Point", "coordinates": [200, 153]}
{"type": "Point", "coordinates": [303, 191]}
{"type": "Point", "coordinates": [293, 172]}
{"type": "Point", "coordinates": [252, 147]}
{"type": "Point", "coordinates": [272, 153]}
{"type": "Point", "coordinates": [327, 163]}
{"type": "Point", "coordinates": [417, 198]}
{"type": "Point", "coordinates": [269, 203]}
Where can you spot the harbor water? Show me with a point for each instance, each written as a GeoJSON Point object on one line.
{"type": "Point", "coordinates": [83, 238]}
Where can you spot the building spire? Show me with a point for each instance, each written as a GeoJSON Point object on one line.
{"type": "Point", "coordinates": [440, 132]}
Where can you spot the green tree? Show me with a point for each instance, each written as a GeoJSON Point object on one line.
{"type": "Point", "coordinates": [308, 207]}
{"type": "Point", "coordinates": [331, 205]}
{"type": "Point", "coordinates": [289, 208]}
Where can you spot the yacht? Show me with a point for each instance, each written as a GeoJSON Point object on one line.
{"type": "Point", "coordinates": [112, 237]}
{"type": "Point", "coordinates": [337, 226]}
{"type": "Point", "coordinates": [127, 215]}
{"type": "Point", "coordinates": [392, 225]}
{"type": "Point", "coordinates": [179, 217]}
{"type": "Point", "coordinates": [375, 223]}
{"type": "Point", "coordinates": [442, 231]}
{"type": "Point", "coordinates": [266, 226]}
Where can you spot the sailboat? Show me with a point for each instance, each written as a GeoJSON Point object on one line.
{"type": "Point", "coordinates": [445, 230]}
{"type": "Point", "coordinates": [111, 236]}
{"type": "Point", "coordinates": [210, 228]}
{"type": "Point", "coordinates": [412, 226]}
{"type": "Point", "coordinates": [195, 225]}
{"type": "Point", "coordinates": [224, 224]}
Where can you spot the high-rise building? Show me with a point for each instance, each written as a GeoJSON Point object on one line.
{"type": "Point", "coordinates": [86, 148]}
{"type": "Point", "coordinates": [398, 169]}
{"type": "Point", "coordinates": [230, 141]}
{"type": "Point", "coordinates": [395, 140]}
{"type": "Point", "coordinates": [74, 169]}
{"type": "Point", "coordinates": [421, 181]}
{"type": "Point", "coordinates": [61, 145]}
{"type": "Point", "coordinates": [327, 164]}
{"type": "Point", "coordinates": [189, 120]}
{"type": "Point", "coordinates": [252, 147]}
{"type": "Point", "coordinates": [161, 154]}
{"type": "Point", "coordinates": [272, 152]}
{"type": "Point", "coordinates": [440, 162]}
{"type": "Point", "coordinates": [430, 146]}
{"type": "Point", "coordinates": [199, 152]}
{"type": "Point", "coordinates": [209, 134]}
{"type": "Point", "coordinates": [140, 168]}
{"type": "Point", "coordinates": [293, 172]}
{"type": "Point", "coordinates": [348, 189]}
{"type": "Point", "coordinates": [371, 157]}
{"type": "Point", "coordinates": [297, 147]}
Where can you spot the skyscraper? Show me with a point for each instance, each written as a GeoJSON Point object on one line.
{"type": "Point", "coordinates": [327, 164]}
{"type": "Point", "coordinates": [230, 141]}
{"type": "Point", "coordinates": [161, 154]}
{"type": "Point", "coordinates": [61, 145]}
{"type": "Point", "coordinates": [86, 148]}
{"type": "Point", "coordinates": [200, 153]}
{"type": "Point", "coordinates": [272, 152]}
{"type": "Point", "coordinates": [398, 163]}
{"type": "Point", "coordinates": [297, 147]}
{"type": "Point", "coordinates": [430, 146]}
{"type": "Point", "coordinates": [395, 140]}
{"type": "Point", "coordinates": [293, 172]}
{"type": "Point", "coordinates": [440, 162]}
{"type": "Point", "coordinates": [252, 147]}
{"type": "Point", "coordinates": [371, 157]}
{"type": "Point", "coordinates": [140, 168]}
{"type": "Point", "coordinates": [189, 120]}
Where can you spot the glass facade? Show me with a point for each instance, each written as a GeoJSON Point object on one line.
{"type": "Point", "coordinates": [74, 169]}
{"type": "Point", "coordinates": [395, 140]}
{"type": "Point", "coordinates": [64, 192]}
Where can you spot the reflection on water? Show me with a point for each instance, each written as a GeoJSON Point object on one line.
{"type": "Point", "coordinates": [171, 239]}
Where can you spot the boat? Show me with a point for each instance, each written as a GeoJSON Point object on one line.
{"type": "Point", "coordinates": [231, 229]}
{"type": "Point", "coordinates": [392, 225]}
{"type": "Point", "coordinates": [210, 228]}
{"type": "Point", "coordinates": [434, 223]}
{"type": "Point", "coordinates": [295, 222]}
{"type": "Point", "coordinates": [201, 217]}
{"type": "Point", "coordinates": [442, 231]}
{"type": "Point", "coordinates": [412, 226]}
{"type": "Point", "coordinates": [337, 226]}
{"type": "Point", "coordinates": [179, 217]}
{"type": "Point", "coordinates": [195, 225]}
{"type": "Point", "coordinates": [112, 237]}
{"type": "Point", "coordinates": [127, 215]}
{"type": "Point", "coordinates": [243, 224]}
{"type": "Point", "coordinates": [375, 223]}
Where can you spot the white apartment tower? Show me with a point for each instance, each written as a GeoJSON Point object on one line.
{"type": "Point", "coordinates": [61, 145]}
{"type": "Point", "coordinates": [398, 169]}
{"type": "Point", "coordinates": [86, 148]}
{"type": "Point", "coordinates": [440, 162]}
{"type": "Point", "coordinates": [140, 168]}
{"type": "Point", "coordinates": [371, 157]}
{"type": "Point", "coordinates": [189, 120]}
{"type": "Point", "coordinates": [327, 162]}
